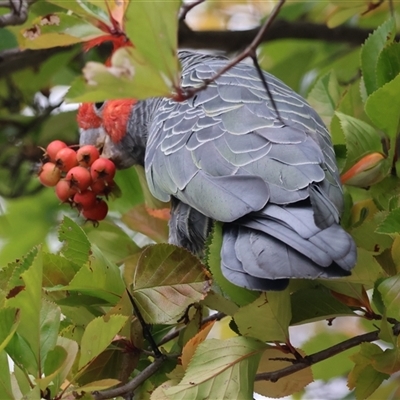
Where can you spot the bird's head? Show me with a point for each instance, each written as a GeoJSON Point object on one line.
{"type": "Point", "coordinates": [104, 125]}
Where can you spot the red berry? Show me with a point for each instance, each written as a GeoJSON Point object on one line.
{"type": "Point", "coordinates": [64, 191]}
{"type": "Point", "coordinates": [85, 199]}
{"type": "Point", "coordinates": [66, 159]}
{"type": "Point", "coordinates": [99, 187]}
{"type": "Point", "coordinates": [96, 213]}
{"type": "Point", "coordinates": [79, 178]}
{"type": "Point", "coordinates": [49, 174]}
{"type": "Point", "coordinates": [86, 155]}
{"type": "Point", "coordinates": [53, 148]}
{"type": "Point", "coordinates": [103, 168]}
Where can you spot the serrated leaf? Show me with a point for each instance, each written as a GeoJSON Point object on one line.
{"type": "Point", "coordinates": [369, 379]}
{"type": "Point", "coordinates": [388, 66]}
{"type": "Point", "coordinates": [98, 278]}
{"type": "Point", "coordinates": [284, 386]}
{"type": "Point", "coordinates": [76, 244]}
{"type": "Point", "coordinates": [166, 281]}
{"type": "Point", "coordinates": [191, 346]}
{"type": "Point", "coordinates": [391, 224]}
{"type": "Point", "coordinates": [267, 318]}
{"type": "Point", "coordinates": [370, 53]}
{"type": "Point", "coordinates": [361, 139]}
{"type": "Point", "coordinates": [57, 29]}
{"type": "Point", "coordinates": [112, 240]}
{"type": "Point", "coordinates": [57, 270]}
{"type": "Point", "coordinates": [29, 301]}
{"type": "Point", "coordinates": [220, 369]}
{"type": "Point", "coordinates": [98, 335]}
{"type": "Point", "coordinates": [388, 362]}
{"type": "Point", "coordinates": [239, 295]}
{"type": "Point", "coordinates": [316, 304]}
{"type": "Point", "coordinates": [383, 107]}
{"type": "Point", "coordinates": [390, 290]}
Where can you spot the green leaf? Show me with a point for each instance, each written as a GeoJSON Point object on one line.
{"type": "Point", "coordinates": [52, 366]}
{"type": "Point", "coordinates": [57, 270]}
{"type": "Point", "coordinates": [129, 76]}
{"type": "Point", "coordinates": [369, 379]}
{"type": "Point", "coordinates": [50, 315]}
{"type": "Point", "coordinates": [220, 369]}
{"type": "Point", "coordinates": [76, 244]}
{"type": "Point", "coordinates": [10, 318]}
{"type": "Point", "coordinates": [391, 224]}
{"type": "Point", "coordinates": [387, 362]}
{"type": "Point", "coordinates": [152, 27]}
{"type": "Point", "coordinates": [388, 66]}
{"type": "Point", "coordinates": [98, 278]}
{"type": "Point", "coordinates": [98, 335]}
{"type": "Point", "coordinates": [316, 304]}
{"type": "Point", "coordinates": [216, 301]}
{"type": "Point", "coordinates": [390, 290]}
{"type": "Point", "coordinates": [112, 240]}
{"type": "Point", "coordinates": [370, 53]}
{"type": "Point", "coordinates": [29, 302]}
{"type": "Point", "coordinates": [361, 139]}
{"type": "Point", "coordinates": [376, 240]}
{"type": "Point", "coordinates": [85, 9]}
{"type": "Point", "coordinates": [237, 294]}
{"type": "Point", "coordinates": [383, 107]}
{"type": "Point", "coordinates": [22, 354]}
{"type": "Point", "coordinates": [57, 29]}
{"type": "Point", "coordinates": [267, 318]}
{"type": "Point", "coordinates": [167, 279]}
{"type": "Point", "coordinates": [6, 391]}
{"type": "Point", "coordinates": [324, 97]}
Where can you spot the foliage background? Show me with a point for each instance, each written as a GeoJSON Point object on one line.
{"type": "Point", "coordinates": [316, 49]}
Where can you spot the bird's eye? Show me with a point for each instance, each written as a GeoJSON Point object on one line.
{"type": "Point", "coordinates": [98, 106]}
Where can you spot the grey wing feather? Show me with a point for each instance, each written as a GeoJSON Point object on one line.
{"type": "Point", "coordinates": [233, 131]}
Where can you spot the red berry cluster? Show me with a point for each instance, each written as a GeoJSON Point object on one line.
{"type": "Point", "coordinates": [80, 177]}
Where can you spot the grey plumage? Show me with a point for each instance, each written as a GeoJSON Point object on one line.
{"type": "Point", "coordinates": [225, 155]}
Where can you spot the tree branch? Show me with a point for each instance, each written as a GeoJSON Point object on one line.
{"type": "Point", "coordinates": [132, 384]}
{"type": "Point", "coordinates": [307, 361]}
{"type": "Point", "coordinates": [232, 41]}
{"type": "Point", "coordinates": [228, 41]}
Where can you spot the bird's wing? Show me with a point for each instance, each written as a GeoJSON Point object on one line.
{"type": "Point", "coordinates": [225, 152]}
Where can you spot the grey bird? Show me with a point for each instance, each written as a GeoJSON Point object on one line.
{"type": "Point", "coordinates": [226, 155]}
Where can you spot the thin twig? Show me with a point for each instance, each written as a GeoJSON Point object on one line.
{"type": "Point", "coordinates": [132, 384]}
{"type": "Point", "coordinates": [174, 334]}
{"type": "Point", "coordinates": [145, 327]}
{"type": "Point", "coordinates": [187, 7]}
{"type": "Point", "coordinates": [246, 53]}
{"type": "Point", "coordinates": [307, 361]}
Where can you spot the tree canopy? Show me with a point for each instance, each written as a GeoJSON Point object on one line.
{"type": "Point", "coordinates": [72, 294]}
